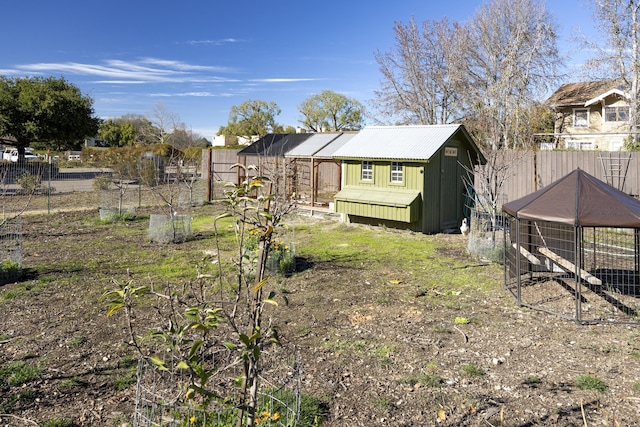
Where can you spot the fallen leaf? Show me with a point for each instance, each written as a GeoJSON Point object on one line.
{"type": "Point", "coordinates": [395, 282]}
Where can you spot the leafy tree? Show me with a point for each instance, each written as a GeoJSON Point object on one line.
{"type": "Point", "coordinates": [183, 138]}
{"type": "Point", "coordinates": [47, 110]}
{"type": "Point", "coordinates": [145, 131]}
{"type": "Point", "coordinates": [117, 133]}
{"type": "Point", "coordinates": [331, 111]}
{"type": "Point", "coordinates": [251, 118]}
{"type": "Point", "coordinates": [282, 129]}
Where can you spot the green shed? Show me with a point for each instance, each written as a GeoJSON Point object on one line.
{"type": "Point", "coordinates": [407, 177]}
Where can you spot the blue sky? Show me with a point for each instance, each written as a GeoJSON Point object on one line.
{"type": "Point", "coordinates": [200, 57]}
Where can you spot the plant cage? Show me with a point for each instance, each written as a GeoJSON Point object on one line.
{"type": "Point", "coordinates": [572, 249]}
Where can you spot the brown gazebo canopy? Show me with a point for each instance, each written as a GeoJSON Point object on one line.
{"type": "Point", "coordinates": [573, 249]}
{"type": "Point", "coordinates": [578, 199]}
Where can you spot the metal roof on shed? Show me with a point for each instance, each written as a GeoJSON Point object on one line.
{"type": "Point", "coordinates": [274, 144]}
{"type": "Point", "coordinates": [336, 144]}
{"type": "Point", "coordinates": [399, 142]}
{"type": "Point", "coordinates": [313, 144]}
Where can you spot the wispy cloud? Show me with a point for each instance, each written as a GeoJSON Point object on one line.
{"type": "Point", "coordinates": [214, 42]}
{"type": "Point", "coordinates": [284, 80]}
{"type": "Point", "coordinates": [145, 70]}
{"type": "Point", "coordinates": [194, 94]}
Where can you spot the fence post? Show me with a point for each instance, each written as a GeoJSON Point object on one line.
{"type": "Point", "coordinates": [49, 184]}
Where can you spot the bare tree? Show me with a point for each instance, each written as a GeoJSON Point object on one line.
{"type": "Point", "coordinates": [513, 58]}
{"type": "Point", "coordinates": [618, 57]}
{"type": "Point", "coordinates": [164, 122]}
{"type": "Point", "coordinates": [422, 75]}
{"type": "Point", "coordinates": [487, 72]}
{"type": "Point", "coordinates": [487, 182]}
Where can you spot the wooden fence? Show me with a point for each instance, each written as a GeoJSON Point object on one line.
{"type": "Point", "coordinates": [294, 174]}
{"type": "Point", "coordinates": [528, 172]}
{"type": "Point", "coordinates": [532, 171]}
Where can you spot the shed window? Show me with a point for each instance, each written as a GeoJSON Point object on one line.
{"type": "Point", "coordinates": [581, 118]}
{"type": "Point", "coordinates": [616, 114]}
{"type": "Point", "coordinates": [396, 172]}
{"type": "Point", "coordinates": [367, 171]}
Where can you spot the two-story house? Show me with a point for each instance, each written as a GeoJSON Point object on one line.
{"type": "Point", "coordinates": [590, 115]}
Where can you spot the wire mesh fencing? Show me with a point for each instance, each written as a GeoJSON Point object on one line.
{"type": "Point", "coordinates": [49, 186]}
{"type": "Point", "coordinates": [485, 235]}
{"type": "Point", "coordinates": [161, 401]}
{"type": "Point", "coordinates": [586, 274]}
{"type": "Point", "coordinates": [10, 249]}
{"type": "Point", "coordinates": [282, 256]}
{"type": "Point", "coordinates": [170, 228]}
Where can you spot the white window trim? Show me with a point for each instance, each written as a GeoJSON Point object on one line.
{"type": "Point", "coordinates": [369, 170]}
{"type": "Point", "coordinates": [579, 144]}
{"type": "Point", "coordinates": [397, 173]}
{"type": "Point", "coordinates": [616, 145]}
{"type": "Point", "coordinates": [604, 113]}
{"type": "Point", "coordinates": [575, 110]}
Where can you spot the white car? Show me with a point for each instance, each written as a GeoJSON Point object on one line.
{"type": "Point", "coordinates": [6, 153]}
{"type": "Point", "coordinates": [28, 155]}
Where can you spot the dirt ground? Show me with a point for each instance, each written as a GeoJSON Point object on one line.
{"type": "Point", "coordinates": [375, 351]}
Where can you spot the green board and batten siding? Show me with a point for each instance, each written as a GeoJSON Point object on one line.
{"type": "Point", "coordinates": [430, 197]}
{"type": "Point", "coordinates": [379, 198]}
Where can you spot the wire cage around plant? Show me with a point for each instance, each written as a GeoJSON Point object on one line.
{"type": "Point", "coordinates": [170, 228]}
{"type": "Point", "coordinates": [485, 235]}
{"type": "Point", "coordinates": [282, 254]}
{"type": "Point", "coordinates": [118, 203]}
{"type": "Point", "coordinates": [160, 397]}
{"type": "Point", "coordinates": [10, 249]}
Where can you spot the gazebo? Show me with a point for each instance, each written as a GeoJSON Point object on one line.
{"type": "Point", "coordinates": [572, 249]}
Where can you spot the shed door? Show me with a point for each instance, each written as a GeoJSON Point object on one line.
{"type": "Point", "coordinates": [449, 180]}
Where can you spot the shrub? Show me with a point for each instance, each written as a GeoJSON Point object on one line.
{"type": "Point", "coordinates": [532, 380]}
{"type": "Point", "coordinates": [29, 183]}
{"type": "Point", "coordinates": [10, 270]}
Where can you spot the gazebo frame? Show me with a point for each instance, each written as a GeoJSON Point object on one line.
{"type": "Point", "coordinates": [572, 249]}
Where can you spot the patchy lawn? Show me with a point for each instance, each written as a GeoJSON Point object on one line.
{"type": "Point", "coordinates": [395, 328]}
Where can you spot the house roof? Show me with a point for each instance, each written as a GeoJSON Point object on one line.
{"type": "Point", "coordinates": [274, 144]}
{"type": "Point", "coordinates": [578, 199]}
{"type": "Point", "coordinates": [583, 93]}
{"type": "Point", "coordinates": [615, 91]}
{"type": "Point", "coordinates": [402, 142]}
